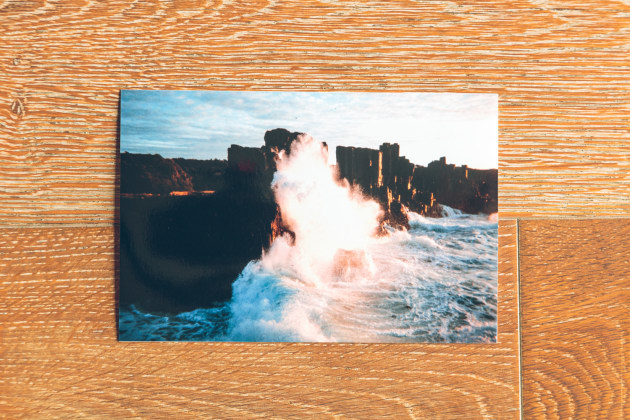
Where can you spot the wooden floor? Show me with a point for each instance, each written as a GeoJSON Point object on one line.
{"type": "Point", "coordinates": [561, 70]}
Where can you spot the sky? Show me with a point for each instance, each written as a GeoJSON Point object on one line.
{"type": "Point", "coordinates": [203, 124]}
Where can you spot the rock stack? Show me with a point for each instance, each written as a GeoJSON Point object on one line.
{"type": "Point", "coordinates": [399, 185]}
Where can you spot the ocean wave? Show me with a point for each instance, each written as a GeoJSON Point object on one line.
{"type": "Point", "coordinates": [436, 282]}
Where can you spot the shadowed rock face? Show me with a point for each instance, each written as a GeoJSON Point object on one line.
{"type": "Point", "coordinates": [469, 190]}
{"type": "Point", "coordinates": [397, 183]}
{"type": "Point", "coordinates": [280, 139]}
{"type": "Point", "coordinates": [181, 253]}
{"type": "Point", "coordinates": [153, 174]}
{"type": "Point", "coordinates": [206, 175]}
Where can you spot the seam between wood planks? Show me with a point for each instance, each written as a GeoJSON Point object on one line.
{"type": "Point", "coordinates": [519, 324]}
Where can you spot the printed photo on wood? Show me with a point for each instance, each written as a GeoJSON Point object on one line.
{"type": "Point", "coordinates": [308, 216]}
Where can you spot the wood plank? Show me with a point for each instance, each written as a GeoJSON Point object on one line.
{"type": "Point", "coordinates": [561, 71]}
{"type": "Point", "coordinates": [60, 358]}
{"type": "Point", "coordinates": [575, 290]}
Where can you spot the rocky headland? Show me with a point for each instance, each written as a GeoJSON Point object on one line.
{"type": "Point", "coordinates": [188, 227]}
{"type": "Point", "coordinates": [399, 185]}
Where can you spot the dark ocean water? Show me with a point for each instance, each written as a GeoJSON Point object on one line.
{"type": "Point", "coordinates": [436, 282]}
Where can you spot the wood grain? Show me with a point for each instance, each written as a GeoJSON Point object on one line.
{"type": "Point", "coordinates": [60, 357]}
{"type": "Point", "coordinates": [575, 295]}
{"type": "Point", "coordinates": [561, 70]}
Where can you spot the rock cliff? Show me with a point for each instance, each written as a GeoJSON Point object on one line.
{"type": "Point", "coordinates": [153, 174]}
{"type": "Point", "coordinates": [183, 252]}
{"type": "Point", "coordinates": [397, 183]}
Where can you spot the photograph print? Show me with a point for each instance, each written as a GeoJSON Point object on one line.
{"type": "Point", "coordinates": [308, 217]}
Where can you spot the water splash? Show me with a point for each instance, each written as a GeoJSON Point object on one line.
{"type": "Point", "coordinates": [329, 219]}
{"type": "Point", "coordinates": [436, 282]}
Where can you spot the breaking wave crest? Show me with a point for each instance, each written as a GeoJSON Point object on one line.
{"type": "Point", "coordinates": [338, 282]}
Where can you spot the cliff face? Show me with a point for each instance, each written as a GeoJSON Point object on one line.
{"type": "Point", "coordinates": [469, 190]}
{"type": "Point", "coordinates": [396, 182]}
{"type": "Point", "coordinates": [279, 139]}
{"type": "Point", "coordinates": [250, 172]}
{"type": "Point", "coordinates": [179, 253]}
{"type": "Point", "coordinates": [153, 174]}
{"type": "Point", "coordinates": [206, 175]}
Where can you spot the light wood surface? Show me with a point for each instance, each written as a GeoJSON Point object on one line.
{"type": "Point", "coordinates": [575, 299]}
{"type": "Point", "coordinates": [561, 70]}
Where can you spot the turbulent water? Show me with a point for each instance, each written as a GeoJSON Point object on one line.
{"type": "Point", "coordinates": [436, 282]}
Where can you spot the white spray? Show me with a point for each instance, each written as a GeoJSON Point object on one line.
{"type": "Point", "coordinates": [333, 225]}
{"type": "Point", "coordinates": [331, 222]}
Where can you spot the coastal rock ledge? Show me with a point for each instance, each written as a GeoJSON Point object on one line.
{"type": "Point", "coordinates": [189, 227]}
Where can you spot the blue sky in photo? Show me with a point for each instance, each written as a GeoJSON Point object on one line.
{"type": "Point", "coordinates": [203, 124]}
